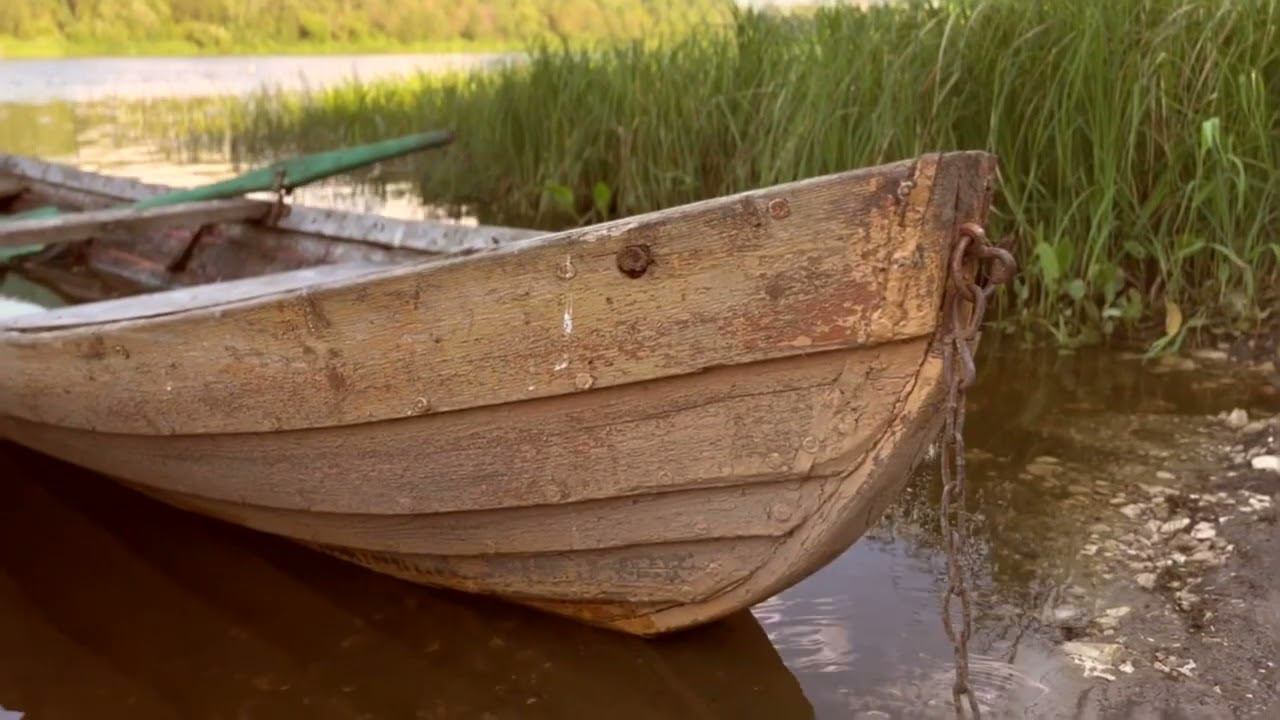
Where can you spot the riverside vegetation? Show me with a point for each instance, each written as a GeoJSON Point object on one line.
{"type": "Point", "coordinates": [1139, 139]}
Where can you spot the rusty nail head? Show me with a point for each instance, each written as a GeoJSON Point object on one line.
{"type": "Point", "coordinates": [779, 208]}
{"type": "Point", "coordinates": [634, 260]}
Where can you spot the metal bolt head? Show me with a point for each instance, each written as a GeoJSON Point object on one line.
{"type": "Point", "coordinates": [779, 208]}
{"type": "Point", "coordinates": [634, 260]}
{"type": "Point", "coordinates": [566, 270]}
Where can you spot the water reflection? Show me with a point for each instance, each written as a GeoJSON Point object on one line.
{"type": "Point", "coordinates": [114, 606]}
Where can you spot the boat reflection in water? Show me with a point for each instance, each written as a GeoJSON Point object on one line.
{"type": "Point", "coordinates": [113, 605]}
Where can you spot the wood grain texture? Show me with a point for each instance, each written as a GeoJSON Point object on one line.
{"type": "Point", "coordinates": [848, 264]}
{"type": "Point", "coordinates": [752, 402]}
{"type": "Point", "coordinates": [72, 227]}
{"type": "Point", "coordinates": [726, 426]}
{"type": "Point", "coordinates": [756, 510]}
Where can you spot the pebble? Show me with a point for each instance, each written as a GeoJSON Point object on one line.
{"type": "Point", "coordinates": [1133, 511]}
{"type": "Point", "coordinates": [1204, 531]}
{"type": "Point", "coordinates": [1103, 653]}
{"type": "Point", "coordinates": [1265, 462]}
{"type": "Point", "coordinates": [1067, 614]}
{"type": "Point", "coordinates": [1076, 591]}
{"type": "Point", "coordinates": [1170, 527]}
{"type": "Point", "coordinates": [1204, 556]}
{"type": "Point", "coordinates": [1100, 529]}
{"type": "Point", "coordinates": [1211, 354]}
{"type": "Point", "coordinates": [1236, 419]}
{"type": "Point", "coordinates": [1146, 581]}
{"type": "Point", "coordinates": [1041, 470]}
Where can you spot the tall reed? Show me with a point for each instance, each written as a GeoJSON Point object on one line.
{"type": "Point", "coordinates": [1139, 139]}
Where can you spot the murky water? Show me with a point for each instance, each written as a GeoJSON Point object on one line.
{"type": "Point", "coordinates": [112, 605]}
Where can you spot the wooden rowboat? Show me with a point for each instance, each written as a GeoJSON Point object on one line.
{"type": "Point", "coordinates": [645, 424]}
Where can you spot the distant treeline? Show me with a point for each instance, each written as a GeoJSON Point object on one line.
{"type": "Point", "coordinates": [52, 27]}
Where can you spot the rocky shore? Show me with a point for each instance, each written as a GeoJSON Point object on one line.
{"type": "Point", "coordinates": [1178, 611]}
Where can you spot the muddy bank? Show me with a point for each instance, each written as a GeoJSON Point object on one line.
{"type": "Point", "coordinates": [1182, 614]}
{"type": "Point", "coordinates": [1166, 600]}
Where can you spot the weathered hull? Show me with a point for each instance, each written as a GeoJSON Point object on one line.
{"type": "Point", "coordinates": [660, 524]}
{"type": "Point", "coordinates": [771, 406]}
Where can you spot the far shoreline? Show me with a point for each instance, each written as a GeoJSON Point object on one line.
{"type": "Point", "coordinates": [11, 49]}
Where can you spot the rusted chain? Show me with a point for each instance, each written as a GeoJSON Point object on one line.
{"type": "Point", "coordinates": [995, 266]}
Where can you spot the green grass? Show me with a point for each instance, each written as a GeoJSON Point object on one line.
{"type": "Point", "coordinates": [1139, 139]}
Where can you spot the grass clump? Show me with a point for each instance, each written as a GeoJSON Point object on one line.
{"type": "Point", "coordinates": [1139, 139]}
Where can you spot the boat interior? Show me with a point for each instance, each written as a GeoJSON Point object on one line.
{"type": "Point", "coordinates": [99, 261]}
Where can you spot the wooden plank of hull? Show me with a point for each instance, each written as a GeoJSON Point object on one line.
{"type": "Point", "coordinates": [834, 262]}
{"type": "Point", "coordinates": [84, 225]}
{"type": "Point", "coordinates": [768, 510]}
{"type": "Point", "coordinates": [726, 426]}
{"type": "Point", "coordinates": [664, 574]}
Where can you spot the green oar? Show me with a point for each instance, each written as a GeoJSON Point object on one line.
{"type": "Point", "coordinates": [286, 174]}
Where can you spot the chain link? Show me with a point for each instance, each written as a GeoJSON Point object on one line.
{"type": "Point", "coordinates": [995, 267]}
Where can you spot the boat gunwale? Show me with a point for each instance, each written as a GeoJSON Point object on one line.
{"type": "Point", "coordinates": [567, 238]}
{"type": "Point", "coordinates": [347, 226]}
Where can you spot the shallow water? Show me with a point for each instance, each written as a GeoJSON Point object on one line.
{"type": "Point", "coordinates": [112, 605]}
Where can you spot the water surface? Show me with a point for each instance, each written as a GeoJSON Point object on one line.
{"type": "Point", "coordinates": [85, 79]}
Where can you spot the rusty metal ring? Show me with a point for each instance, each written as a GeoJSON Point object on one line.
{"type": "Point", "coordinates": [1003, 267]}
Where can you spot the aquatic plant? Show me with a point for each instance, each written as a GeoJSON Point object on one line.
{"type": "Point", "coordinates": [1139, 139]}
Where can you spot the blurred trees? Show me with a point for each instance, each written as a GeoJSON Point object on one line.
{"type": "Point", "coordinates": [247, 24]}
